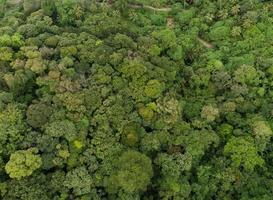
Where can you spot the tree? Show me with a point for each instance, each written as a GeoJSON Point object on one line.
{"type": "Point", "coordinates": [79, 180]}
{"type": "Point", "coordinates": [15, 41]}
{"type": "Point", "coordinates": [52, 41]}
{"type": "Point", "coordinates": [147, 112]}
{"type": "Point", "coordinates": [130, 135]}
{"type": "Point", "coordinates": [219, 32]}
{"type": "Point", "coordinates": [68, 11]}
{"type": "Point", "coordinates": [154, 89]}
{"type": "Point", "coordinates": [124, 41]}
{"type": "Point", "coordinates": [197, 142]}
{"type": "Point", "coordinates": [262, 133]}
{"type": "Point", "coordinates": [12, 128]}
{"type": "Point", "coordinates": [243, 153]}
{"type": "Point", "coordinates": [23, 163]}
{"type": "Point", "coordinates": [48, 7]}
{"type": "Point", "coordinates": [31, 6]}
{"type": "Point", "coordinates": [133, 172]}
{"type": "Point", "coordinates": [172, 184]}
{"type": "Point", "coordinates": [247, 74]}
{"type": "Point", "coordinates": [36, 65]}
{"type": "Point", "coordinates": [92, 100]}
{"type": "Point", "coordinates": [210, 113]}
{"type": "Point", "coordinates": [169, 108]}
{"type": "Point", "coordinates": [166, 38]}
{"type": "Point", "coordinates": [6, 54]}
{"type": "Point", "coordinates": [38, 114]}
{"type": "Point", "coordinates": [32, 187]}
{"type": "Point", "coordinates": [20, 82]}
{"type": "Point", "coordinates": [64, 128]}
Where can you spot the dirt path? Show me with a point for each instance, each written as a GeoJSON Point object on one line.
{"type": "Point", "coordinates": [150, 8]}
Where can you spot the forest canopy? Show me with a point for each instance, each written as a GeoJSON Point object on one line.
{"type": "Point", "coordinates": [136, 99]}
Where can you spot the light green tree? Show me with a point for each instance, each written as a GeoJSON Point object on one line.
{"type": "Point", "coordinates": [243, 153]}
{"type": "Point", "coordinates": [22, 163]}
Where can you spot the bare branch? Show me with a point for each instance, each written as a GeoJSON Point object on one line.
{"type": "Point", "coordinates": [205, 43]}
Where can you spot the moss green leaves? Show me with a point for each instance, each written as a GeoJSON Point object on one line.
{"type": "Point", "coordinates": [154, 89]}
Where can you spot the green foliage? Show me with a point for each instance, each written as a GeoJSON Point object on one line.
{"type": "Point", "coordinates": [219, 33]}
{"type": "Point", "coordinates": [133, 173]}
{"type": "Point", "coordinates": [166, 38]}
{"type": "Point", "coordinates": [19, 82]}
{"type": "Point", "coordinates": [22, 163]}
{"type": "Point", "coordinates": [209, 113]}
{"type": "Point", "coordinates": [51, 41]}
{"type": "Point", "coordinates": [246, 74]}
{"type": "Point", "coordinates": [38, 115]}
{"type": "Point", "coordinates": [48, 7]}
{"type": "Point", "coordinates": [243, 153]}
{"type": "Point", "coordinates": [14, 41]}
{"type": "Point", "coordinates": [68, 11]}
{"type": "Point", "coordinates": [262, 133]}
{"type": "Point", "coordinates": [31, 6]}
{"type": "Point", "coordinates": [79, 180]}
{"type": "Point", "coordinates": [6, 54]}
{"type": "Point", "coordinates": [136, 99]}
{"type": "Point", "coordinates": [154, 89]}
{"type": "Point", "coordinates": [171, 168]}
{"type": "Point", "coordinates": [32, 187]}
{"type": "Point", "coordinates": [12, 127]}
{"type": "Point", "coordinates": [64, 128]}
{"type": "Point", "coordinates": [130, 135]}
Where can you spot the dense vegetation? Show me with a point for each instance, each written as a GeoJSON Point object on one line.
{"type": "Point", "coordinates": [136, 99]}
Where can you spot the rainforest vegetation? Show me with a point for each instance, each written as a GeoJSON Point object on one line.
{"type": "Point", "coordinates": [136, 100]}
